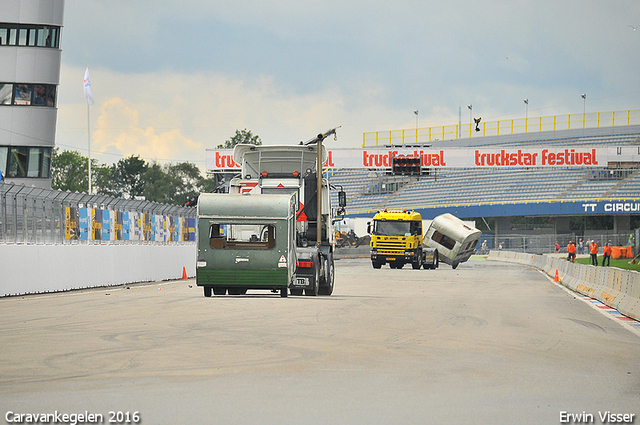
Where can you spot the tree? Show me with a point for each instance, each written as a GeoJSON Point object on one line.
{"type": "Point", "coordinates": [187, 179]}
{"type": "Point", "coordinates": [128, 176]}
{"type": "Point", "coordinates": [173, 183]}
{"type": "Point", "coordinates": [104, 181]}
{"type": "Point", "coordinates": [70, 171]}
{"type": "Point", "coordinates": [158, 186]}
{"type": "Point", "coordinates": [242, 136]}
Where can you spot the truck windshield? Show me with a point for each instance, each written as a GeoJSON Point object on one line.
{"type": "Point", "coordinates": [392, 228]}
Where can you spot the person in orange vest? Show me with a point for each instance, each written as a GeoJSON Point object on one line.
{"type": "Point", "coordinates": [607, 254]}
{"type": "Point", "coordinates": [593, 249]}
{"type": "Point", "coordinates": [571, 249]}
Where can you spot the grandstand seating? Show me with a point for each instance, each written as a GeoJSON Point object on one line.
{"type": "Point", "coordinates": [630, 188]}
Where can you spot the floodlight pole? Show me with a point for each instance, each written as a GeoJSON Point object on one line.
{"type": "Point", "coordinates": [584, 109]}
{"type": "Point", "coordinates": [89, 142]}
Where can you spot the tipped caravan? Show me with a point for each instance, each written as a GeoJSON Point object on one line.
{"type": "Point", "coordinates": [453, 238]}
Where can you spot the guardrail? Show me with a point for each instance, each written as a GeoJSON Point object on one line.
{"type": "Point", "coordinates": [502, 127]}
{"type": "Point", "coordinates": [30, 215]}
{"type": "Point", "coordinates": [617, 288]}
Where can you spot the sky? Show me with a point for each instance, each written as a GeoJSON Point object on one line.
{"type": "Point", "coordinates": [171, 79]}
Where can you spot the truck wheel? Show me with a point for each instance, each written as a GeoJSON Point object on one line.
{"type": "Point", "coordinates": [297, 292]}
{"type": "Point", "coordinates": [220, 291]}
{"type": "Point", "coordinates": [207, 291]}
{"type": "Point", "coordinates": [328, 288]}
{"type": "Point", "coordinates": [284, 292]}
{"type": "Point", "coordinates": [399, 265]}
{"type": "Point", "coordinates": [235, 291]}
{"type": "Point", "coordinates": [418, 261]}
{"type": "Point", "coordinates": [376, 265]}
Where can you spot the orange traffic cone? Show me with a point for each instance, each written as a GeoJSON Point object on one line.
{"type": "Point", "coordinates": [184, 273]}
{"type": "Point", "coordinates": [557, 278]}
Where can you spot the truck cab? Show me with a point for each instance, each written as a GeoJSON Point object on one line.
{"type": "Point", "coordinates": [396, 239]}
{"type": "Point", "coordinates": [292, 170]}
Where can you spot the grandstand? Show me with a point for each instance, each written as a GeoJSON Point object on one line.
{"type": "Point", "coordinates": [503, 193]}
{"type": "Point", "coordinates": [488, 186]}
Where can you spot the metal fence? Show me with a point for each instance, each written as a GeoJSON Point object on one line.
{"type": "Point", "coordinates": [545, 243]}
{"type": "Point", "coordinates": [502, 127]}
{"type": "Point", "coordinates": [30, 215]}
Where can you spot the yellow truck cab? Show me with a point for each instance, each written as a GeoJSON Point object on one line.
{"type": "Point", "coordinates": [396, 239]}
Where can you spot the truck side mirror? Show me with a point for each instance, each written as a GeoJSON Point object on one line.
{"type": "Point", "coordinates": [342, 198]}
{"type": "Point", "coordinates": [368, 227]}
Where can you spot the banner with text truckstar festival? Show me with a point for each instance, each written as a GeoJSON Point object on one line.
{"type": "Point", "coordinates": [380, 158]}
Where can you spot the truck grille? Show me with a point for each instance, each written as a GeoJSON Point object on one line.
{"type": "Point", "coordinates": [390, 245]}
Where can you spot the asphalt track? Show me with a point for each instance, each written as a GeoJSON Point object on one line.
{"type": "Point", "coordinates": [487, 343]}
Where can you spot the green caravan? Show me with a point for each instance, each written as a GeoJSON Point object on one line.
{"type": "Point", "coordinates": [246, 242]}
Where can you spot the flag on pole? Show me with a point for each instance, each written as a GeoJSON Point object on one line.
{"type": "Point", "coordinates": [87, 87]}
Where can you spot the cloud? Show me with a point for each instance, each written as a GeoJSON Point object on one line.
{"type": "Point", "coordinates": [176, 116]}
{"type": "Point", "coordinates": [197, 71]}
{"type": "Point", "coordinates": [118, 129]}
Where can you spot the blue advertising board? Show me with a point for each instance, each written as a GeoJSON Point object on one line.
{"type": "Point", "coordinates": [126, 226]}
{"type": "Point", "coordinates": [530, 208]}
{"type": "Point", "coordinates": [84, 224]}
{"type": "Point", "coordinates": [106, 225]}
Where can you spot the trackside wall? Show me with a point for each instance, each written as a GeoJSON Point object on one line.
{"type": "Point", "coordinates": [617, 288]}
{"type": "Point", "coordinates": [31, 269]}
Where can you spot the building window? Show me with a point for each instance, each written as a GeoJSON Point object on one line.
{"type": "Point", "coordinates": [17, 166]}
{"type": "Point", "coordinates": [22, 94]}
{"type": "Point", "coordinates": [25, 161]}
{"type": "Point", "coordinates": [29, 35]}
{"type": "Point", "coordinates": [28, 94]}
{"type": "Point", "coordinates": [6, 92]}
{"type": "Point", "coordinates": [3, 160]}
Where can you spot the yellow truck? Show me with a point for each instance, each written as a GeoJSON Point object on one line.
{"type": "Point", "coordinates": [396, 239]}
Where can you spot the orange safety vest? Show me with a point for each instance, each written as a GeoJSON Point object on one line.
{"type": "Point", "coordinates": [608, 250]}
{"type": "Point", "coordinates": [594, 248]}
{"type": "Point", "coordinates": [571, 248]}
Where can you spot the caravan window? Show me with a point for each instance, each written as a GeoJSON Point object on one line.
{"type": "Point", "coordinates": [242, 236]}
{"type": "Point", "coordinates": [471, 245]}
{"type": "Point", "coordinates": [443, 240]}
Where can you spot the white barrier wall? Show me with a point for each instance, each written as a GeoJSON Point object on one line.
{"type": "Point", "coordinates": [617, 288]}
{"type": "Point", "coordinates": [29, 269]}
